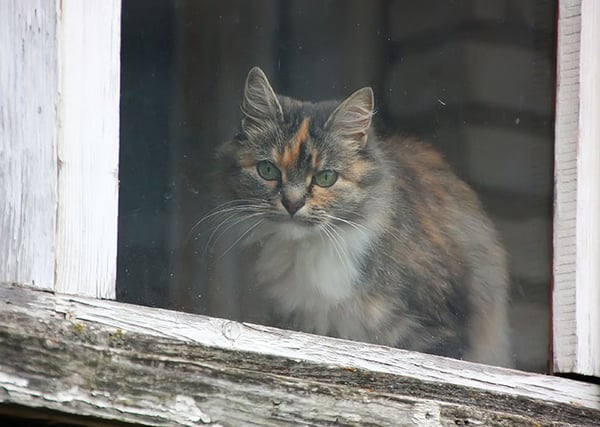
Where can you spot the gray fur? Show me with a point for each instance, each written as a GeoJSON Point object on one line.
{"type": "Point", "coordinates": [397, 252]}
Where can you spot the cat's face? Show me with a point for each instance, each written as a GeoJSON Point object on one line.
{"type": "Point", "coordinates": [302, 167]}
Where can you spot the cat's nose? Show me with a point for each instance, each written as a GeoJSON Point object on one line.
{"type": "Point", "coordinates": [292, 205]}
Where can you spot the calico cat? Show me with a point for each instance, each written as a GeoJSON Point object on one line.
{"type": "Point", "coordinates": [361, 238]}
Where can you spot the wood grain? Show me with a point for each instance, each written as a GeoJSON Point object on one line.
{"type": "Point", "coordinates": [59, 144]}
{"type": "Point", "coordinates": [120, 362]}
{"type": "Point", "coordinates": [565, 203]}
{"type": "Point", "coordinates": [587, 298]}
{"type": "Point", "coordinates": [576, 296]}
{"type": "Point", "coordinates": [88, 150]}
{"type": "Point", "coordinates": [28, 141]}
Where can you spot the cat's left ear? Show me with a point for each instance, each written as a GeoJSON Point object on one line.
{"type": "Point", "coordinates": [260, 102]}
{"type": "Point", "coordinates": [352, 118]}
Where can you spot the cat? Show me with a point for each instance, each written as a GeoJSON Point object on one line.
{"type": "Point", "coordinates": [357, 237]}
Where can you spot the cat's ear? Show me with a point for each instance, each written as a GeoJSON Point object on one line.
{"type": "Point", "coordinates": [352, 118]}
{"type": "Point", "coordinates": [260, 102]}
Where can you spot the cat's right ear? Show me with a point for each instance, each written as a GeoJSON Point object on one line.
{"type": "Point", "coordinates": [260, 102]}
{"type": "Point", "coordinates": [352, 118]}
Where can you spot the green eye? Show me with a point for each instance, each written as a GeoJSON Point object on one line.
{"type": "Point", "coordinates": [268, 170]}
{"type": "Point", "coordinates": [326, 178]}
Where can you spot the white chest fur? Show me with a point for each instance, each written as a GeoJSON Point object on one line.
{"type": "Point", "coordinates": [312, 274]}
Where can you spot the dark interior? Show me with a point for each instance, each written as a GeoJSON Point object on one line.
{"type": "Point", "coordinates": [475, 79]}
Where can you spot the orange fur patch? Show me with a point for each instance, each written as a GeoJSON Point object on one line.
{"type": "Point", "coordinates": [321, 197]}
{"type": "Point", "coordinates": [302, 134]}
{"type": "Point", "coordinates": [316, 159]}
{"type": "Point", "coordinates": [357, 171]}
{"type": "Point", "coordinates": [292, 151]}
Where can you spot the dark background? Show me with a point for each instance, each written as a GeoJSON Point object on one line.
{"type": "Point", "coordinates": [475, 79]}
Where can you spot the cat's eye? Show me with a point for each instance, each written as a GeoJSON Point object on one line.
{"type": "Point", "coordinates": [326, 178]}
{"type": "Point", "coordinates": [268, 170]}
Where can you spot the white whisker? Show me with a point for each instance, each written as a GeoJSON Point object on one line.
{"type": "Point", "coordinates": [217, 228]}
{"type": "Point", "coordinates": [239, 205]}
{"type": "Point", "coordinates": [355, 225]}
{"type": "Point", "coordinates": [245, 218]}
{"type": "Point", "coordinates": [231, 204]}
{"type": "Point", "coordinates": [260, 221]}
{"type": "Point", "coordinates": [334, 243]}
{"type": "Point", "coordinates": [341, 242]}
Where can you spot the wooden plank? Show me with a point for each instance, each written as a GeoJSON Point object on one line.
{"type": "Point", "coordinates": [576, 297]}
{"type": "Point", "coordinates": [28, 141]}
{"type": "Point", "coordinates": [121, 362]}
{"type": "Point", "coordinates": [587, 297]}
{"type": "Point", "coordinates": [59, 121]}
{"type": "Point", "coordinates": [565, 203]}
{"type": "Point", "coordinates": [88, 149]}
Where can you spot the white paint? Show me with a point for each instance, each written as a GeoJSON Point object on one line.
{"type": "Point", "coordinates": [59, 121]}
{"type": "Point", "coordinates": [28, 141]}
{"type": "Point", "coordinates": [65, 396]}
{"type": "Point", "coordinates": [182, 410]}
{"type": "Point", "coordinates": [587, 296]}
{"type": "Point", "coordinates": [576, 296]}
{"type": "Point", "coordinates": [88, 149]}
{"type": "Point", "coordinates": [186, 407]}
{"type": "Point", "coordinates": [328, 351]}
{"type": "Point", "coordinates": [426, 414]}
{"type": "Point", "coordinates": [565, 165]}
{"type": "Point", "coordinates": [12, 379]}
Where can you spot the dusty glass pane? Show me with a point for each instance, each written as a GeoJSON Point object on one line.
{"type": "Point", "coordinates": [473, 79]}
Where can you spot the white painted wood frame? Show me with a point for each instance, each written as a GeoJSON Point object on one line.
{"type": "Point", "coordinates": [59, 114]}
{"type": "Point", "coordinates": [59, 144]}
{"type": "Point", "coordinates": [576, 295]}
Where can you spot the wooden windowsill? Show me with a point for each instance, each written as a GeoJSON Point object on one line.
{"type": "Point", "coordinates": [126, 363]}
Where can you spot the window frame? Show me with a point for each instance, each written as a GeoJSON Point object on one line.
{"type": "Point", "coordinates": [75, 109]}
{"type": "Point", "coordinates": [120, 362]}
{"type": "Point", "coordinates": [576, 290]}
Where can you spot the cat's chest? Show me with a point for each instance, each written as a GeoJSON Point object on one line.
{"type": "Point", "coordinates": [311, 275]}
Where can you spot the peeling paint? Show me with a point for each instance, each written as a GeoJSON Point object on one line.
{"type": "Point", "coordinates": [186, 406]}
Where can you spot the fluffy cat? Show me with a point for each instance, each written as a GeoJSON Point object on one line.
{"type": "Point", "coordinates": [360, 238]}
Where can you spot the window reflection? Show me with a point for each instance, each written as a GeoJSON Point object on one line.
{"type": "Point", "coordinates": [475, 80]}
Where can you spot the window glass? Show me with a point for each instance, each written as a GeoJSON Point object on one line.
{"type": "Point", "coordinates": [476, 80]}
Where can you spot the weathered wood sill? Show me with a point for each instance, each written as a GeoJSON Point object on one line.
{"type": "Point", "coordinates": [123, 363]}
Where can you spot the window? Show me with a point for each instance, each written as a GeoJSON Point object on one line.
{"type": "Point", "coordinates": [476, 82]}
{"type": "Point", "coordinates": [75, 356]}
